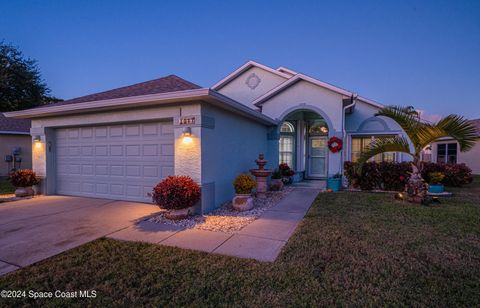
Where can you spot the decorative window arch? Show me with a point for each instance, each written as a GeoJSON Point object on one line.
{"type": "Point", "coordinates": [287, 127]}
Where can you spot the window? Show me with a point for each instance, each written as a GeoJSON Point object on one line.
{"type": "Point", "coordinates": [361, 144]}
{"type": "Point", "coordinates": [287, 144]}
{"type": "Point", "coordinates": [447, 153]}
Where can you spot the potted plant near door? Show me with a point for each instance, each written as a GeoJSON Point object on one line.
{"type": "Point", "coordinates": [435, 186]}
{"type": "Point", "coordinates": [334, 182]}
{"type": "Point", "coordinates": [243, 184]}
{"type": "Point", "coordinates": [287, 173]}
{"type": "Point", "coordinates": [23, 180]}
{"type": "Point", "coordinates": [178, 195]}
{"type": "Point", "coordinates": [276, 183]}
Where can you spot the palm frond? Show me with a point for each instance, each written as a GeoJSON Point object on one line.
{"type": "Point", "coordinates": [406, 117]}
{"type": "Point", "coordinates": [460, 129]}
{"type": "Point", "coordinates": [427, 134]}
{"type": "Point", "coordinates": [382, 145]}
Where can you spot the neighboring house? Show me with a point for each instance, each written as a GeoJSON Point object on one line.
{"type": "Point", "coordinates": [15, 145]}
{"type": "Point", "coordinates": [118, 144]}
{"type": "Point", "coordinates": [447, 150]}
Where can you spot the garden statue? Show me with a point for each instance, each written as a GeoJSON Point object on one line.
{"type": "Point", "coordinates": [261, 174]}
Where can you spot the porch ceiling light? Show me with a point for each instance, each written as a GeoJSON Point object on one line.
{"type": "Point", "coordinates": [37, 139]}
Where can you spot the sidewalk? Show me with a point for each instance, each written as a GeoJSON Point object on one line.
{"type": "Point", "coordinates": [262, 240]}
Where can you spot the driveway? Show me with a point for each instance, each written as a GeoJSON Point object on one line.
{"type": "Point", "coordinates": [35, 229]}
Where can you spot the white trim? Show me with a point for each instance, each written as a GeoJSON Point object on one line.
{"type": "Point", "coordinates": [7, 132]}
{"type": "Point", "coordinates": [242, 69]}
{"type": "Point", "coordinates": [286, 70]}
{"type": "Point", "coordinates": [203, 94]}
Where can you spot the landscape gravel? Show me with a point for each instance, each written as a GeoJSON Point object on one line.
{"type": "Point", "coordinates": [226, 218]}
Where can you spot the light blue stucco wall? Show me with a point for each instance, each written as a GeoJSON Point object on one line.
{"type": "Point", "coordinates": [229, 148]}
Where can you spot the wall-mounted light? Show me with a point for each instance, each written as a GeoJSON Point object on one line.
{"type": "Point", "coordinates": [187, 135]}
{"type": "Point", "coordinates": [38, 141]}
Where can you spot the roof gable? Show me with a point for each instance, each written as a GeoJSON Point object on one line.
{"type": "Point", "coordinates": [244, 68]}
{"type": "Point", "coordinates": [301, 77]}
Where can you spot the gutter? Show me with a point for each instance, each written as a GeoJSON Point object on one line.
{"type": "Point", "coordinates": [344, 131]}
{"type": "Point", "coordinates": [203, 94]}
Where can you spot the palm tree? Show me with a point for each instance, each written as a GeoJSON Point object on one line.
{"type": "Point", "coordinates": [420, 134]}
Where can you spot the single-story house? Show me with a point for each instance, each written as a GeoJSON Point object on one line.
{"type": "Point", "coordinates": [15, 145]}
{"type": "Point", "coordinates": [447, 150]}
{"type": "Point", "coordinates": [118, 144]}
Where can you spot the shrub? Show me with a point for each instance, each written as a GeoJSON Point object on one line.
{"type": "Point", "coordinates": [455, 174]}
{"type": "Point", "coordinates": [23, 178]}
{"type": "Point", "coordinates": [176, 192]}
{"type": "Point", "coordinates": [244, 184]}
{"type": "Point", "coordinates": [436, 177]}
{"type": "Point", "coordinates": [393, 176]}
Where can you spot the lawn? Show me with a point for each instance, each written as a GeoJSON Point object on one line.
{"type": "Point", "coordinates": [6, 187]}
{"type": "Point", "coordinates": [351, 249]}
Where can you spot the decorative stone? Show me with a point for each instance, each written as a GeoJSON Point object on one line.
{"type": "Point", "coordinates": [23, 191]}
{"type": "Point", "coordinates": [179, 214]}
{"type": "Point", "coordinates": [242, 202]}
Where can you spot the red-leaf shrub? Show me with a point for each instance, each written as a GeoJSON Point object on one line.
{"type": "Point", "coordinates": [176, 192]}
{"type": "Point", "coordinates": [23, 178]}
{"type": "Point", "coordinates": [455, 174]}
{"type": "Point", "coordinates": [394, 176]}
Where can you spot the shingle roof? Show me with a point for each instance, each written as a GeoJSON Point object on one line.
{"type": "Point", "coordinates": [170, 83]}
{"type": "Point", "coordinates": [14, 125]}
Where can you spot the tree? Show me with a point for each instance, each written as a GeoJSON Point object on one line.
{"type": "Point", "coordinates": [21, 85]}
{"type": "Point", "coordinates": [420, 134]}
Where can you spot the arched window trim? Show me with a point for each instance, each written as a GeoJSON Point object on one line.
{"type": "Point", "coordinates": [290, 128]}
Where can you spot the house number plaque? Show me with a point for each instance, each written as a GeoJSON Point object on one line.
{"type": "Point", "coordinates": [186, 121]}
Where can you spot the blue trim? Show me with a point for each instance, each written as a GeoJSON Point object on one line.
{"type": "Point", "coordinates": [361, 128]}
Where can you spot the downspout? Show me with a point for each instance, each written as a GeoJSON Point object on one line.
{"type": "Point", "coordinates": [353, 99]}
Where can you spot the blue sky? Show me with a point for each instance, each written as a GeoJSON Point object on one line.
{"type": "Point", "coordinates": [420, 53]}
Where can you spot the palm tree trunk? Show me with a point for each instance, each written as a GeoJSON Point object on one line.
{"type": "Point", "coordinates": [416, 187]}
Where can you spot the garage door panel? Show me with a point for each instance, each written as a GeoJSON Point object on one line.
{"type": "Point", "coordinates": [118, 161]}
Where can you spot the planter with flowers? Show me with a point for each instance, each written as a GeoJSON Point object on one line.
{"type": "Point", "coordinates": [23, 180]}
{"type": "Point", "coordinates": [276, 182]}
{"type": "Point", "coordinates": [179, 195]}
{"type": "Point", "coordinates": [436, 185]}
{"type": "Point", "coordinates": [334, 183]}
{"type": "Point", "coordinates": [243, 184]}
{"type": "Point", "coordinates": [287, 173]}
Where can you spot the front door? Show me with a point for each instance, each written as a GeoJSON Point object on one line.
{"type": "Point", "coordinates": [317, 156]}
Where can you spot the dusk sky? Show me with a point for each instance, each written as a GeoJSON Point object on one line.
{"type": "Point", "coordinates": [420, 53]}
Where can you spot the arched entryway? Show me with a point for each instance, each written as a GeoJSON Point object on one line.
{"type": "Point", "coordinates": [303, 143]}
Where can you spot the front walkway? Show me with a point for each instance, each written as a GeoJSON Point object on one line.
{"type": "Point", "coordinates": [262, 240]}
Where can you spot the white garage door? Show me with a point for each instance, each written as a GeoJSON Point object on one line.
{"type": "Point", "coordinates": [121, 162]}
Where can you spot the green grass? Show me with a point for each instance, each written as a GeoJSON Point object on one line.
{"type": "Point", "coordinates": [6, 187]}
{"type": "Point", "coordinates": [351, 249]}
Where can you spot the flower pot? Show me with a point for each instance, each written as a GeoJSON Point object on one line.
{"type": "Point", "coordinates": [23, 191]}
{"type": "Point", "coordinates": [242, 202]}
{"type": "Point", "coordinates": [179, 214]}
{"type": "Point", "coordinates": [277, 183]}
{"type": "Point", "coordinates": [334, 184]}
{"type": "Point", "coordinates": [436, 188]}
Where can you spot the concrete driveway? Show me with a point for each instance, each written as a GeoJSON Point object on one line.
{"type": "Point", "coordinates": [35, 229]}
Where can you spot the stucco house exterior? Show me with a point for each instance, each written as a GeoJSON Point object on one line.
{"type": "Point", "coordinates": [447, 150]}
{"type": "Point", "coordinates": [118, 144]}
{"type": "Point", "coordinates": [15, 145]}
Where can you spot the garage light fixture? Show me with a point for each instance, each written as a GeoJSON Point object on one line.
{"type": "Point", "coordinates": [187, 135]}
{"type": "Point", "coordinates": [37, 139]}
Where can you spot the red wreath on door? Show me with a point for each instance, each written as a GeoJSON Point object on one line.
{"type": "Point", "coordinates": [335, 144]}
